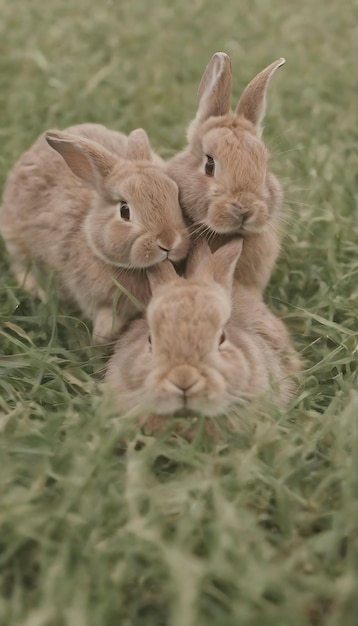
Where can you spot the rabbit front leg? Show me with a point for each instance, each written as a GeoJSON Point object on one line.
{"type": "Point", "coordinates": [21, 265]}
{"type": "Point", "coordinates": [27, 281]}
{"type": "Point", "coordinates": [154, 424]}
{"type": "Point", "coordinates": [106, 326]}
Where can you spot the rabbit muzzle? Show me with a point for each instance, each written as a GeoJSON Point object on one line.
{"type": "Point", "coordinates": [187, 380]}
{"type": "Point", "coordinates": [172, 246]}
{"type": "Point", "coordinates": [187, 389]}
{"type": "Point", "coordinates": [247, 213]}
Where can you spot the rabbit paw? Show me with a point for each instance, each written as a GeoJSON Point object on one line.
{"type": "Point", "coordinates": [28, 281]}
{"type": "Point", "coordinates": [105, 327]}
{"type": "Point", "coordinates": [155, 424]}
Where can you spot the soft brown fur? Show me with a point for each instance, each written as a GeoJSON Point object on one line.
{"type": "Point", "coordinates": [242, 197]}
{"type": "Point", "coordinates": [188, 367]}
{"type": "Point", "coordinates": [69, 223]}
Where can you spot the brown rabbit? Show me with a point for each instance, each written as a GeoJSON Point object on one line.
{"type": "Point", "coordinates": [197, 352]}
{"type": "Point", "coordinates": [94, 209]}
{"type": "Point", "coordinates": [224, 183]}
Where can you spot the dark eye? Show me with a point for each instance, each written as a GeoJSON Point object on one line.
{"type": "Point", "coordinates": [222, 338]}
{"type": "Point", "coordinates": [209, 166]}
{"type": "Point", "coordinates": [149, 340]}
{"type": "Point", "coordinates": [125, 212]}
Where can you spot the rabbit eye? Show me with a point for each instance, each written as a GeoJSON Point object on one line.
{"type": "Point", "coordinates": [149, 340]}
{"type": "Point", "coordinates": [125, 212]}
{"type": "Point", "coordinates": [209, 166]}
{"type": "Point", "coordinates": [222, 338]}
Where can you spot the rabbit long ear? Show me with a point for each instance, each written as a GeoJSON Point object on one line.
{"type": "Point", "coordinates": [199, 263]}
{"type": "Point", "coordinates": [224, 262]}
{"type": "Point", "coordinates": [252, 103]}
{"type": "Point", "coordinates": [138, 147]}
{"type": "Point", "coordinates": [160, 274]}
{"type": "Point", "coordinates": [86, 159]}
{"type": "Point", "coordinates": [215, 87]}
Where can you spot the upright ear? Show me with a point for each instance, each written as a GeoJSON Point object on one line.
{"type": "Point", "coordinates": [87, 159]}
{"type": "Point", "coordinates": [199, 263]}
{"type": "Point", "coordinates": [224, 262]}
{"type": "Point", "coordinates": [215, 88]}
{"type": "Point", "coordinates": [138, 147]}
{"type": "Point", "coordinates": [252, 103]}
{"type": "Point", "coordinates": [160, 274]}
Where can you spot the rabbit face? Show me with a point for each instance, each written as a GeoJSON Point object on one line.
{"type": "Point", "coordinates": [228, 178]}
{"type": "Point", "coordinates": [141, 223]}
{"type": "Point", "coordinates": [236, 179]}
{"type": "Point", "coordinates": [193, 367]}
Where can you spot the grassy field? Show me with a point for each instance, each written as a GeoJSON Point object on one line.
{"type": "Point", "coordinates": [261, 529]}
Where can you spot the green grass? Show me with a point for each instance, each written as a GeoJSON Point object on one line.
{"type": "Point", "coordinates": [262, 529]}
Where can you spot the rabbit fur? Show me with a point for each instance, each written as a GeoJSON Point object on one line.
{"type": "Point", "coordinates": [92, 207]}
{"type": "Point", "coordinates": [200, 348]}
{"type": "Point", "coordinates": [225, 186]}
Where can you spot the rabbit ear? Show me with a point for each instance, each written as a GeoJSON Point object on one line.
{"type": "Point", "coordinates": [199, 261]}
{"type": "Point", "coordinates": [215, 87]}
{"type": "Point", "coordinates": [160, 274]}
{"type": "Point", "coordinates": [252, 103]}
{"type": "Point", "coordinates": [224, 262]}
{"type": "Point", "coordinates": [86, 159]}
{"type": "Point", "coordinates": [138, 147]}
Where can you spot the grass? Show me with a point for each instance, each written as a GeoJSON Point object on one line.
{"type": "Point", "coordinates": [262, 529]}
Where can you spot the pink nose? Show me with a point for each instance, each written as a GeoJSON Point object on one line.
{"type": "Point", "coordinates": [184, 387]}
{"type": "Point", "coordinates": [184, 377]}
{"type": "Point", "coordinates": [237, 212]}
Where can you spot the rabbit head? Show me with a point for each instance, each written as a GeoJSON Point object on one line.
{"type": "Point", "coordinates": [135, 220]}
{"type": "Point", "coordinates": [223, 174]}
{"type": "Point", "coordinates": [181, 357]}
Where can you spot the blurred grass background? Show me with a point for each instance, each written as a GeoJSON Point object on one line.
{"type": "Point", "coordinates": [261, 530]}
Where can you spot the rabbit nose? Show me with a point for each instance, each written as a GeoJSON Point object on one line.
{"type": "Point", "coordinates": [167, 250]}
{"type": "Point", "coordinates": [165, 244]}
{"type": "Point", "coordinates": [184, 378]}
{"type": "Point", "coordinates": [184, 387]}
{"type": "Point", "coordinates": [237, 210]}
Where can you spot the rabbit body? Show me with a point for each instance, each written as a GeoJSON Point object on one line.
{"type": "Point", "coordinates": [69, 223]}
{"type": "Point", "coordinates": [226, 188]}
{"type": "Point", "coordinates": [207, 353]}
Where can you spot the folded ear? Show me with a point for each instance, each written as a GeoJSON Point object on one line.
{"type": "Point", "coordinates": [252, 103]}
{"type": "Point", "coordinates": [214, 91]}
{"type": "Point", "coordinates": [224, 262]}
{"type": "Point", "coordinates": [199, 263]}
{"type": "Point", "coordinates": [87, 159]}
{"type": "Point", "coordinates": [138, 147]}
{"type": "Point", "coordinates": [160, 274]}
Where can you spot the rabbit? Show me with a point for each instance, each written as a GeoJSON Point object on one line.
{"type": "Point", "coordinates": [224, 183]}
{"type": "Point", "coordinates": [197, 351]}
{"type": "Point", "coordinates": [94, 208]}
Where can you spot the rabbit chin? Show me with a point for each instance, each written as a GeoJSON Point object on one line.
{"type": "Point", "coordinates": [207, 405]}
